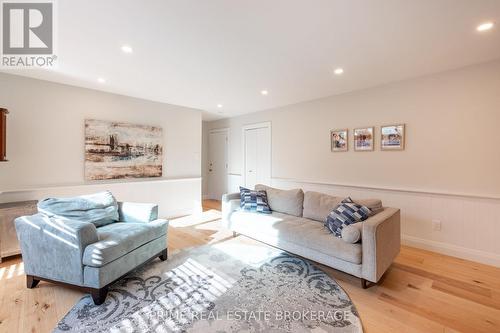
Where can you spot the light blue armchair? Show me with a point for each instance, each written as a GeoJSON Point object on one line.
{"type": "Point", "coordinates": [91, 255]}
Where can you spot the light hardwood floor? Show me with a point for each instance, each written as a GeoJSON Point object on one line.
{"type": "Point", "coordinates": [422, 291]}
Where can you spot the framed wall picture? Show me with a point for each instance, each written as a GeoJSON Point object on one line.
{"type": "Point", "coordinates": [392, 137]}
{"type": "Point", "coordinates": [363, 139]}
{"type": "Point", "coordinates": [339, 140]}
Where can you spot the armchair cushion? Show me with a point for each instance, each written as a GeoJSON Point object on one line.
{"type": "Point", "coordinates": [137, 212]}
{"type": "Point", "coordinates": [99, 208]}
{"type": "Point", "coordinates": [118, 239]}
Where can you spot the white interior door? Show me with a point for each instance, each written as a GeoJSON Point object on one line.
{"type": "Point", "coordinates": [217, 164]}
{"type": "Point", "coordinates": [250, 158]}
{"type": "Point", "coordinates": [257, 156]}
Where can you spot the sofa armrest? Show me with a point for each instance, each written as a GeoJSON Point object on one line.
{"type": "Point", "coordinates": [231, 196]}
{"type": "Point", "coordinates": [161, 222]}
{"type": "Point", "coordinates": [137, 212]}
{"type": "Point", "coordinates": [230, 203]}
{"type": "Point", "coordinates": [53, 248]}
{"type": "Point", "coordinates": [381, 242]}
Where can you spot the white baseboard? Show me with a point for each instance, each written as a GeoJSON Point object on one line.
{"type": "Point", "coordinates": [483, 257]}
{"type": "Point", "coordinates": [206, 197]}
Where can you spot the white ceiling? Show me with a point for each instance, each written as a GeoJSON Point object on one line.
{"type": "Point", "coordinates": [199, 53]}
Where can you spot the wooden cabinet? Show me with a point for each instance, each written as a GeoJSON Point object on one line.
{"type": "Point", "coordinates": [8, 213]}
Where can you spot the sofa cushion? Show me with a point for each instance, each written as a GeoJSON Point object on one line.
{"type": "Point", "coordinates": [345, 214]}
{"type": "Point", "coordinates": [99, 208]}
{"type": "Point", "coordinates": [284, 201]}
{"type": "Point", "coordinates": [375, 205]}
{"type": "Point", "coordinates": [306, 233]}
{"type": "Point", "coordinates": [254, 201]}
{"type": "Point", "coordinates": [118, 239]}
{"type": "Point", "coordinates": [317, 205]}
{"type": "Point", "coordinates": [352, 233]}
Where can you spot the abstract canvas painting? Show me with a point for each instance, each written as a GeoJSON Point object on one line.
{"type": "Point", "coordinates": [116, 150]}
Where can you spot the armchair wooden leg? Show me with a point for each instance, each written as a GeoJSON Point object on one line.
{"type": "Point", "coordinates": [364, 284]}
{"type": "Point", "coordinates": [99, 295]}
{"type": "Point", "coordinates": [31, 282]}
{"type": "Point", "coordinates": [164, 255]}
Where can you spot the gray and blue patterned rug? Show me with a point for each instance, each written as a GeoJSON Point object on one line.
{"type": "Point", "coordinates": [231, 286]}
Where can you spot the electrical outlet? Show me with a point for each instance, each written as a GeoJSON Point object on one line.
{"type": "Point", "coordinates": [436, 225]}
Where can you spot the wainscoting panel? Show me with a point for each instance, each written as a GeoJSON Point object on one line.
{"type": "Point", "coordinates": [175, 197]}
{"type": "Point", "coordinates": [470, 226]}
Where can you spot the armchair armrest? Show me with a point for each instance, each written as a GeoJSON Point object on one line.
{"type": "Point", "coordinates": [137, 212]}
{"type": "Point", "coordinates": [230, 202]}
{"type": "Point", "coordinates": [53, 248]}
{"type": "Point", "coordinates": [381, 242]}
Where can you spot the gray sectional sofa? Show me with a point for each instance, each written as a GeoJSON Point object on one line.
{"type": "Point", "coordinates": [366, 249]}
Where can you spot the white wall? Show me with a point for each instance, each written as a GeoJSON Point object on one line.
{"type": "Point", "coordinates": [448, 171]}
{"type": "Point", "coordinates": [45, 145]}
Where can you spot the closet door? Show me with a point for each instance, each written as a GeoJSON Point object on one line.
{"type": "Point", "coordinates": [257, 156]}
{"type": "Point", "coordinates": [250, 158]}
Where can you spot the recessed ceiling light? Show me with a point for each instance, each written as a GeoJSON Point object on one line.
{"type": "Point", "coordinates": [485, 26]}
{"type": "Point", "coordinates": [101, 80]}
{"type": "Point", "coordinates": [219, 106]}
{"type": "Point", "coordinates": [264, 92]}
{"type": "Point", "coordinates": [127, 49]}
{"type": "Point", "coordinates": [338, 71]}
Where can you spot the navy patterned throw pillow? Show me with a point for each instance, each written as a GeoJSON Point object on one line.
{"type": "Point", "coordinates": [348, 212]}
{"type": "Point", "coordinates": [254, 201]}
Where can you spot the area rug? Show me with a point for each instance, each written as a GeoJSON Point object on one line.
{"type": "Point", "coordinates": [231, 286]}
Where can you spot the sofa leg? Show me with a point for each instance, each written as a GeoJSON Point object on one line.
{"type": "Point", "coordinates": [235, 234]}
{"type": "Point", "coordinates": [164, 255]}
{"type": "Point", "coordinates": [31, 282]}
{"type": "Point", "coordinates": [99, 295]}
{"type": "Point", "coordinates": [364, 284]}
